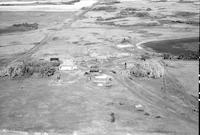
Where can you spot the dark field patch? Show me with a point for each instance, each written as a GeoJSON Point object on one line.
{"type": "Point", "coordinates": [175, 47]}
{"type": "Point", "coordinates": [71, 2]}
{"type": "Point", "coordinates": [185, 14]}
{"type": "Point", "coordinates": [19, 28]}
{"type": "Point", "coordinates": [3, 61]}
{"type": "Point", "coordinates": [44, 19]}
{"type": "Point", "coordinates": [105, 8]}
{"type": "Point", "coordinates": [189, 22]}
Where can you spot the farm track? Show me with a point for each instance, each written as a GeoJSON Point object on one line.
{"type": "Point", "coordinates": [171, 86]}
{"type": "Point", "coordinates": [166, 103]}
{"type": "Point", "coordinates": [50, 34]}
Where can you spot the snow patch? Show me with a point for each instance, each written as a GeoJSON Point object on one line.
{"type": "Point", "coordinates": [124, 45]}
{"type": "Point", "coordinates": [46, 8]}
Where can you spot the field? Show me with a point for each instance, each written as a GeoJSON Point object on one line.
{"type": "Point", "coordinates": [175, 47]}
{"type": "Point", "coordinates": [111, 78]}
{"type": "Point", "coordinates": [10, 18]}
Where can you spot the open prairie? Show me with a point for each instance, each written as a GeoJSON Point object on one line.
{"type": "Point", "coordinates": [99, 67]}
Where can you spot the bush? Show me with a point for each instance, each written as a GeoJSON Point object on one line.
{"type": "Point", "coordinates": [28, 68]}
{"type": "Point", "coordinates": [189, 56]}
{"type": "Point", "coordinates": [128, 11]}
{"type": "Point", "coordinates": [145, 57]}
{"type": "Point", "coordinates": [26, 25]}
{"type": "Point", "coordinates": [105, 8]}
{"type": "Point", "coordinates": [183, 56]}
{"type": "Point", "coordinates": [18, 69]}
{"type": "Point", "coordinates": [166, 56]}
{"type": "Point", "coordinates": [150, 69]}
{"type": "Point", "coordinates": [142, 14]}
